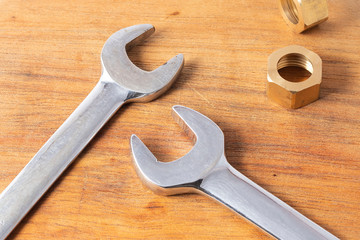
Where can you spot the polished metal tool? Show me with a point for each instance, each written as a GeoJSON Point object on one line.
{"type": "Point", "coordinates": [120, 82]}
{"type": "Point", "coordinates": [205, 170]}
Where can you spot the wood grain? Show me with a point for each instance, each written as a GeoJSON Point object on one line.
{"type": "Point", "coordinates": [308, 157]}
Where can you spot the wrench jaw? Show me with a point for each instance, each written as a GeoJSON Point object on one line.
{"type": "Point", "coordinates": [166, 74]}
{"type": "Point", "coordinates": [144, 162]}
{"type": "Point", "coordinates": [142, 86]}
{"type": "Point", "coordinates": [185, 174]}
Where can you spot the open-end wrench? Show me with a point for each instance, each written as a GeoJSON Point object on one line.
{"type": "Point", "coordinates": [205, 169]}
{"type": "Point", "coordinates": [120, 82]}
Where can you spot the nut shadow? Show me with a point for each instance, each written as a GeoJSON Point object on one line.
{"type": "Point", "coordinates": [335, 76]}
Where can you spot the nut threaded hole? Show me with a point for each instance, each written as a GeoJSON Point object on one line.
{"type": "Point", "coordinates": [290, 10]}
{"type": "Point", "coordinates": [295, 67]}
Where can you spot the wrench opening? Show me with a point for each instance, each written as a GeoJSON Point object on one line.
{"type": "Point", "coordinates": [143, 86]}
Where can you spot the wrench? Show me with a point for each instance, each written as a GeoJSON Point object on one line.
{"type": "Point", "coordinates": [205, 170]}
{"type": "Point", "coordinates": [120, 82]}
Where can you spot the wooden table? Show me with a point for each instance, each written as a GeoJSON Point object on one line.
{"type": "Point", "coordinates": [309, 158]}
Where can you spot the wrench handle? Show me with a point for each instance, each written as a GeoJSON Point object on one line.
{"type": "Point", "coordinates": [58, 153]}
{"type": "Point", "coordinates": [240, 194]}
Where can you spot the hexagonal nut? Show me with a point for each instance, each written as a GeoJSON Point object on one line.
{"type": "Point", "coordinates": [301, 15]}
{"type": "Point", "coordinates": [294, 94]}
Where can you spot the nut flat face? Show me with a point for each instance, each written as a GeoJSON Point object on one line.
{"type": "Point", "coordinates": [294, 94]}
{"type": "Point", "coordinates": [301, 15]}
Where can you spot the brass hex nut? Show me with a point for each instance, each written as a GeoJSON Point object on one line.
{"type": "Point", "coordinates": [294, 94]}
{"type": "Point", "coordinates": [303, 14]}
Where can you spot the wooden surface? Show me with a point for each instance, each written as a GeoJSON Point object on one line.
{"type": "Point", "coordinates": [309, 158]}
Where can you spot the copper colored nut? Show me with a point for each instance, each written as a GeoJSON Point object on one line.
{"type": "Point", "coordinates": [294, 94]}
{"type": "Point", "coordinates": [303, 14]}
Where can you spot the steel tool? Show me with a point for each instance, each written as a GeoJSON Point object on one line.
{"type": "Point", "coordinates": [120, 82]}
{"type": "Point", "coordinates": [205, 170]}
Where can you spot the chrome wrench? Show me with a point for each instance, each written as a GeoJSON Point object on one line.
{"type": "Point", "coordinates": [120, 82]}
{"type": "Point", "coordinates": [205, 170]}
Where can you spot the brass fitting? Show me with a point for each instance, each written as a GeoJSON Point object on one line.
{"type": "Point", "coordinates": [294, 94]}
{"type": "Point", "coordinates": [303, 14]}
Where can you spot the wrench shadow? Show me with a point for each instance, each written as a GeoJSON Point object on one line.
{"type": "Point", "coordinates": [336, 76]}
{"type": "Point", "coordinates": [233, 145]}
